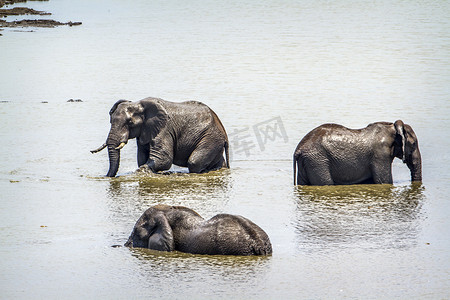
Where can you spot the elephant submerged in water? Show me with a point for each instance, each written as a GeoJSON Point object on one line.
{"type": "Point", "coordinates": [169, 228]}
{"type": "Point", "coordinates": [333, 154]}
{"type": "Point", "coordinates": [188, 134]}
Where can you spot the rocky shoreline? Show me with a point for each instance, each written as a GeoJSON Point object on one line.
{"type": "Point", "coordinates": [16, 11]}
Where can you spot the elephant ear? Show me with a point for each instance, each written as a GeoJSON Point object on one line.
{"type": "Point", "coordinates": [155, 119]}
{"type": "Point", "coordinates": [113, 109]}
{"type": "Point", "coordinates": [410, 135]}
{"type": "Point", "coordinates": [161, 238]}
{"type": "Point", "coordinates": [400, 136]}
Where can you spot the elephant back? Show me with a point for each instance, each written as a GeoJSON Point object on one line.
{"type": "Point", "coordinates": [231, 235]}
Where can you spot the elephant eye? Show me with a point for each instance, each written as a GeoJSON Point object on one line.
{"type": "Point", "coordinates": [142, 232]}
{"type": "Point", "coordinates": [134, 121]}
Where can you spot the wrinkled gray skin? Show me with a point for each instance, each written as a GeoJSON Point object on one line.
{"type": "Point", "coordinates": [170, 228]}
{"type": "Point", "coordinates": [188, 134]}
{"type": "Point", "coordinates": [333, 154]}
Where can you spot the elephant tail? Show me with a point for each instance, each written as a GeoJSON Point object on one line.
{"type": "Point", "coordinates": [227, 154]}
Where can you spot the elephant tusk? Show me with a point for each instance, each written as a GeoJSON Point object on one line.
{"type": "Point", "coordinates": [120, 146]}
{"type": "Point", "coordinates": [99, 149]}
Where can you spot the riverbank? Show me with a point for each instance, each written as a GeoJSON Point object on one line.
{"type": "Point", "coordinates": [17, 11]}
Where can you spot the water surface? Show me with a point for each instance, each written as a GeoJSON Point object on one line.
{"type": "Point", "coordinates": [288, 66]}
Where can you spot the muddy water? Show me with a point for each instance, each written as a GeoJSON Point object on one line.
{"type": "Point", "coordinates": [272, 71]}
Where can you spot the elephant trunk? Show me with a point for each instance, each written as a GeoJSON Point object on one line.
{"type": "Point", "coordinates": [129, 243]}
{"type": "Point", "coordinates": [114, 159]}
{"type": "Point", "coordinates": [117, 138]}
{"type": "Point", "coordinates": [113, 154]}
{"type": "Point", "coordinates": [414, 164]}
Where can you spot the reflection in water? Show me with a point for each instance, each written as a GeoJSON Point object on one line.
{"type": "Point", "coordinates": [129, 196]}
{"type": "Point", "coordinates": [155, 189]}
{"type": "Point", "coordinates": [202, 271]}
{"type": "Point", "coordinates": [366, 216]}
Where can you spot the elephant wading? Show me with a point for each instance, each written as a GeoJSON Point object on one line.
{"type": "Point", "coordinates": [169, 228]}
{"type": "Point", "coordinates": [333, 154]}
{"type": "Point", "coordinates": [187, 134]}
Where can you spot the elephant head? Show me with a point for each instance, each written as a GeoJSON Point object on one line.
{"type": "Point", "coordinates": [152, 231]}
{"type": "Point", "coordinates": [407, 149]}
{"type": "Point", "coordinates": [142, 119]}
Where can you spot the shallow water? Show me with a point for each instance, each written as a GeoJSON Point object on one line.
{"type": "Point", "coordinates": [277, 68]}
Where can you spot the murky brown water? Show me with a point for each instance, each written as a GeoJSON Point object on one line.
{"type": "Point", "coordinates": [272, 71]}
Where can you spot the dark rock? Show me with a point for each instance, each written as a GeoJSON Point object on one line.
{"type": "Point", "coordinates": [21, 11]}
{"type": "Point", "coordinates": [36, 23]}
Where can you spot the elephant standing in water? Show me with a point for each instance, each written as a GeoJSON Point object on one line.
{"type": "Point", "coordinates": [187, 134]}
{"type": "Point", "coordinates": [333, 154]}
{"type": "Point", "coordinates": [169, 228]}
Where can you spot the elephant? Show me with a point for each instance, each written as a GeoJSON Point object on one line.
{"type": "Point", "coordinates": [188, 134]}
{"type": "Point", "coordinates": [178, 228]}
{"type": "Point", "coordinates": [332, 154]}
